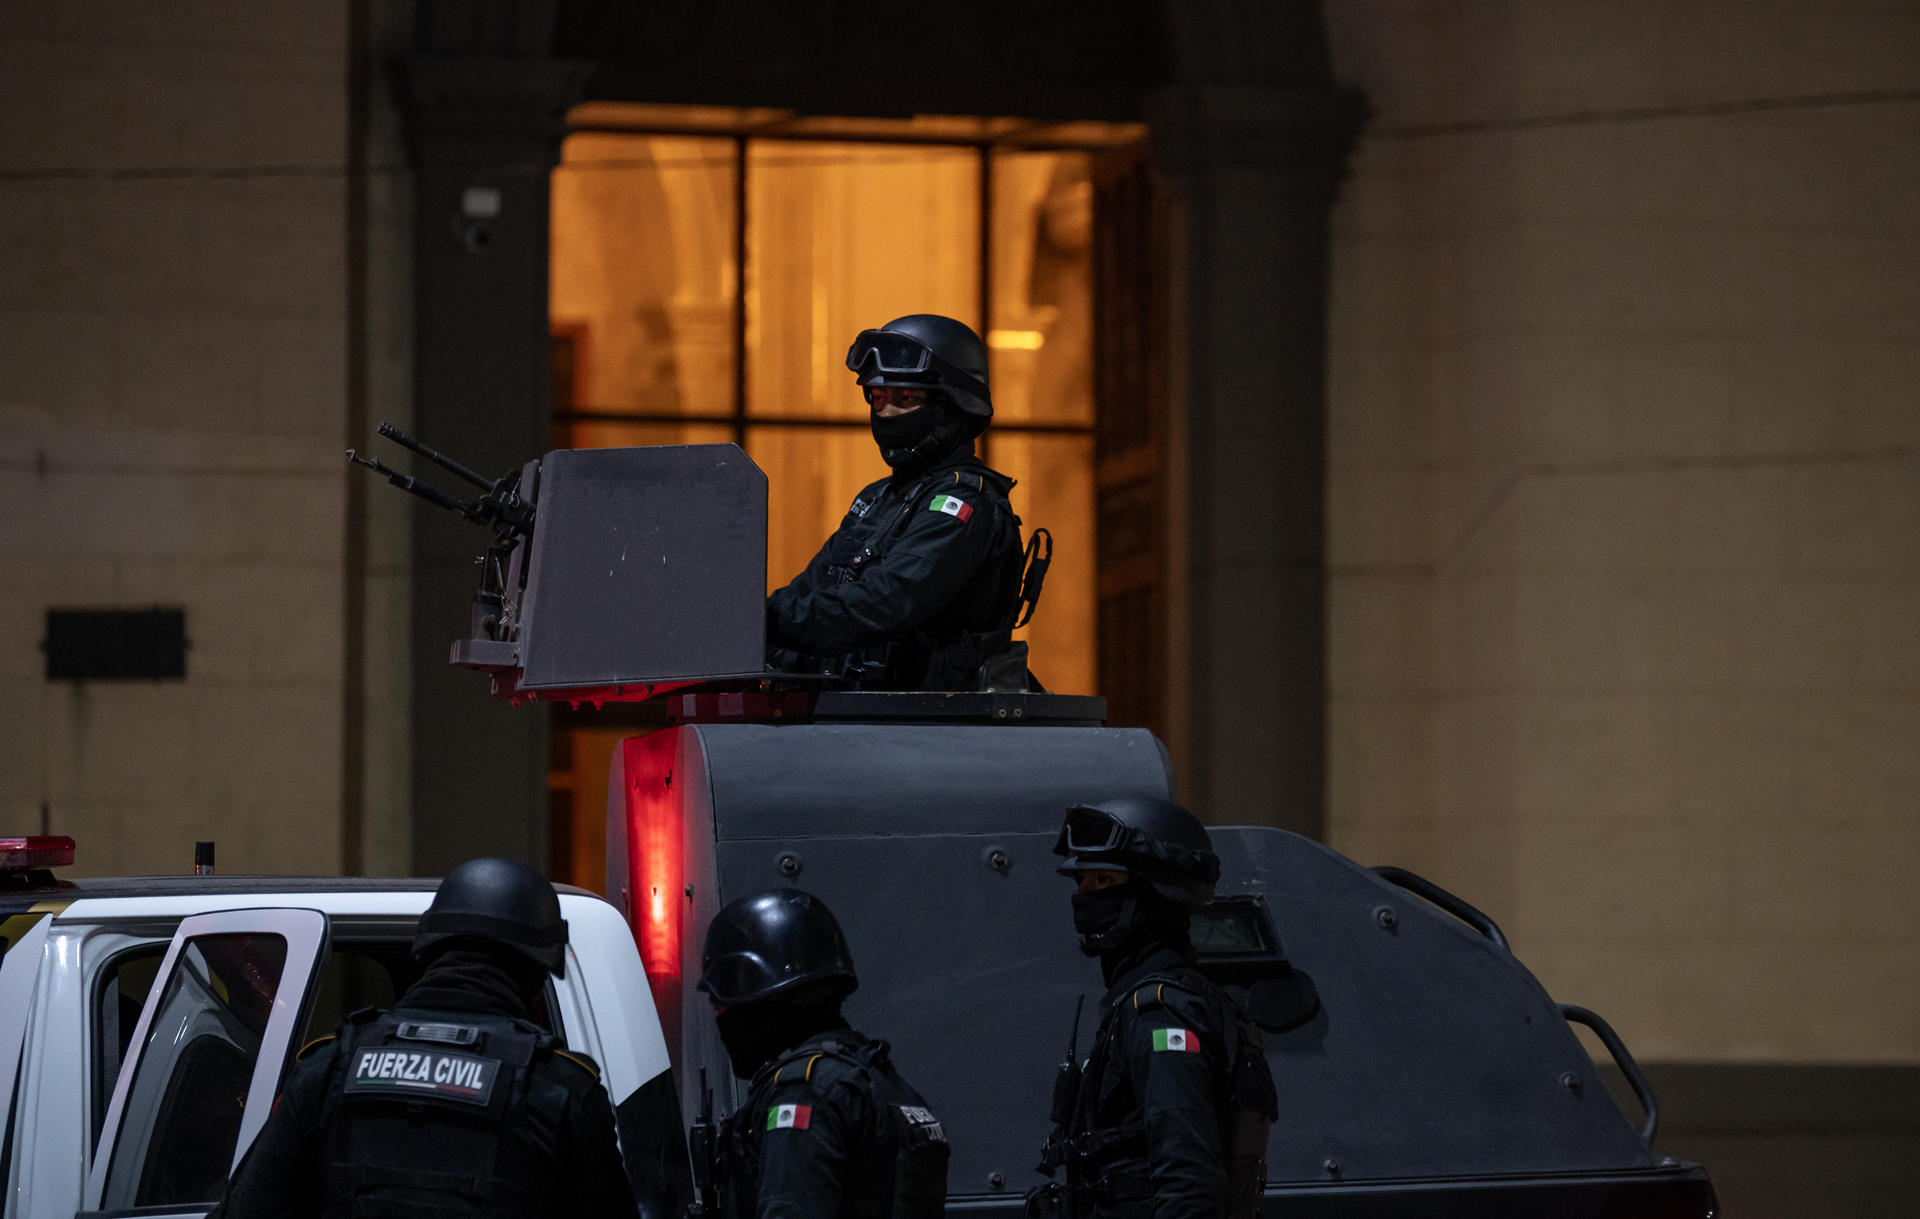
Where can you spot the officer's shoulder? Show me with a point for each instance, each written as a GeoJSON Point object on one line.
{"type": "Point", "coordinates": [575, 1065]}
{"type": "Point", "coordinates": [1186, 996]}
{"type": "Point", "coordinates": [324, 1046]}
{"type": "Point", "coordinates": [819, 1067]}
{"type": "Point", "coordinates": [327, 1043]}
{"type": "Point", "coordinates": [969, 484]}
{"type": "Point", "coordinates": [967, 475]}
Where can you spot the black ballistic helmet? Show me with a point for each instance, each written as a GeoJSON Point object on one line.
{"type": "Point", "coordinates": [926, 351]}
{"type": "Point", "coordinates": [1156, 840]}
{"type": "Point", "coordinates": [772, 944]}
{"type": "Point", "coordinates": [500, 901]}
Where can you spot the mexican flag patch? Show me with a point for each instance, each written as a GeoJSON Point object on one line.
{"type": "Point", "coordinates": [1181, 1040]}
{"type": "Point", "coordinates": [952, 505]}
{"type": "Point", "coordinates": [789, 1117]}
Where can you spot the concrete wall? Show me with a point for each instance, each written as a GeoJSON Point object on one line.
{"type": "Point", "coordinates": [173, 380]}
{"type": "Point", "coordinates": [1625, 508]}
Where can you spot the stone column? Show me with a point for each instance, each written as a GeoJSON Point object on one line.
{"type": "Point", "coordinates": [485, 131]}
{"type": "Point", "coordinates": [1251, 171]}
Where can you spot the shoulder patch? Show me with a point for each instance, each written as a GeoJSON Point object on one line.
{"type": "Point", "coordinates": [313, 1045]}
{"type": "Point", "coordinates": [1181, 1041]}
{"type": "Point", "coordinates": [952, 505]}
{"type": "Point", "coordinates": [577, 1060]}
{"type": "Point", "coordinates": [789, 1117]}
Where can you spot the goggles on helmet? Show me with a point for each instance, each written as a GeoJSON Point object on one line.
{"type": "Point", "coordinates": [1088, 831]}
{"type": "Point", "coordinates": [882, 353]}
{"type": "Point", "coordinates": [888, 353]}
{"type": "Point", "coordinates": [1092, 839]}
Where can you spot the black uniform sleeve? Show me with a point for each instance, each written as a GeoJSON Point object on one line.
{"type": "Point", "coordinates": [800, 589]}
{"type": "Point", "coordinates": [1172, 1058]}
{"type": "Point", "coordinates": [931, 560]}
{"type": "Point", "coordinates": [590, 1153]}
{"type": "Point", "coordinates": [805, 1152]}
{"type": "Point", "coordinates": [281, 1172]}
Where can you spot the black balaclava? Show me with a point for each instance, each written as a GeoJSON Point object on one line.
{"type": "Point", "coordinates": [757, 1033]}
{"type": "Point", "coordinates": [916, 440]}
{"type": "Point", "coordinates": [1124, 922]}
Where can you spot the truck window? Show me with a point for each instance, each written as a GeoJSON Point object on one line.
{"type": "Point", "coordinates": [361, 973]}
{"type": "Point", "coordinates": [357, 974]}
{"type": "Point", "coordinates": [120, 990]}
{"type": "Point", "coordinates": [191, 1082]}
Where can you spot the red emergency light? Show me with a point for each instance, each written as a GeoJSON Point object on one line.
{"type": "Point", "coordinates": [654, 893]}
{"type": "Point", "coordinates": [35, 851]}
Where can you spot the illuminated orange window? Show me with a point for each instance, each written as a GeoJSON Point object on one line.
{"type": "Point", "coordinates": [710, 266]}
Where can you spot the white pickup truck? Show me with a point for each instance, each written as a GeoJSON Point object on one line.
{"type": "Point", "coordinates": [145, 1024]}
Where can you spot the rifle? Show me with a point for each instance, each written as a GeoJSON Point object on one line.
{"type": "Point", "coordinates": [499, 507]}
{"type": "Point", "coordinates": [1054, 1198]}
{"type": "Point", "coordinates": [701, 1144]}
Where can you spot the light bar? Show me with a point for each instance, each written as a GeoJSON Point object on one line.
{"type": "Point", "coordinates": [38, 851]}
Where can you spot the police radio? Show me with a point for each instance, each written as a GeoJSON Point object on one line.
{"type": "Point", "coordinates": [1066, 1078]}
{"type": "Point", "coordinates": [700, 1145]}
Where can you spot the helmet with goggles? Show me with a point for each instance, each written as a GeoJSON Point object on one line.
{"type": "Point", "coordinates": [925, 351]}
{"type": "Point", "coordinates": [1155, 840]}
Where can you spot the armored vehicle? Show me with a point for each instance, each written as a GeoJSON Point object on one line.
{"type": "Point", "coordinates": [1422, 1070]}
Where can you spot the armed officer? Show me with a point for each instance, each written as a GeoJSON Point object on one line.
{"type": "Point", "coordinates": [921, 583]}
{"type": "Point", "coordinates": [496, 1119]}
{"type": "Point", "coordinates": [829, 1128]}
{"type": "Point", "coordinates": [1171, 1116]}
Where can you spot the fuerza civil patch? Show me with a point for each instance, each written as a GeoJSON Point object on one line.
{"type": "Point", "coordinates": [464, 1078]}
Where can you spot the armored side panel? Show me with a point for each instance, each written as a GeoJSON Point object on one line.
{"type": "Point", "coordinates": [1435, 1052]}
{"type": "Point", "coordinates": [1437, 1079]}
{"type": "Point", "coordinates": [647, 565]}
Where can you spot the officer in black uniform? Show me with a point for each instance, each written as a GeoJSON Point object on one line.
{"type": "Point", "coordinates": [920, 584]}
{"type": "Point", "coordinates": [493, 1118]}
{"type": "Point", "coordinates": [1173, 1109]}
{"type": "Point", "coordinates": [829, 1128]}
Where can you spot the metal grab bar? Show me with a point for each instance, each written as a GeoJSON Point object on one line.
{"type": "Point", "coordinates": [1420, 886]}
{"type": "Point", "coordinates": [1642, 1090]}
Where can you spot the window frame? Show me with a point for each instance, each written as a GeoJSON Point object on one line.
{"type": "Point", "coordinates": [738, 418]}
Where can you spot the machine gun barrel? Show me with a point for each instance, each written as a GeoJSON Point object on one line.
{"type": "Point", "coordinates": [412, 485]}
{"type": "Point", "coordinates": [499, 507]}
{"type": "Point", "coordinates": [435, 456]}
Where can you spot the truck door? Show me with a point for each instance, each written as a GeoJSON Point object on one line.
{"type": "Point", "coordinates": [206, 1060]}
{"type": "Point", "coordinates": [23, 940]}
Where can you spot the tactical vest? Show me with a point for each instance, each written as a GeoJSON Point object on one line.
{"type": "Point", "coordinates": [431, 1117]}
{"type": "Point", "coordinates": [1110, 1167]}
{"type": "Point", "coordinates": [896, 1170]}
{"type": "Point", "coordinates": [930, 658]}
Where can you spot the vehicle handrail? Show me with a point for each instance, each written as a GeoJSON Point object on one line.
{"type": "Point", "coordinates": [1642, 1090]}
{"type": "Point", "coordinates": [1420, 886]}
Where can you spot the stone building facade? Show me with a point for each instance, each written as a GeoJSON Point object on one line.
{"type": "Point", "coordinates": [1570, 351]}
